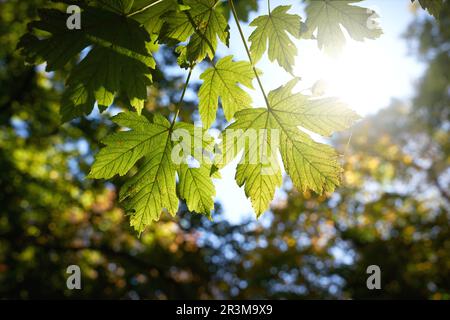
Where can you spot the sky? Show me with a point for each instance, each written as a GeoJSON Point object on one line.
{"type": "Point", "coordinates": [367, 76]}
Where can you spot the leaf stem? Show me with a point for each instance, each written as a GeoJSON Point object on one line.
{"type": "Point", "coordinates": [182, 97]}
{"type": "Point", "coordinates": [233, 10]}
{"type": "Point", "coordinates": [144, 8]}
{"type": "Point", "coordinates": [268, 6]}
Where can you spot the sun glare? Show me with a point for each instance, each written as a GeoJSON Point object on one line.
{"type": "Point", "coordinates": [361, 76]}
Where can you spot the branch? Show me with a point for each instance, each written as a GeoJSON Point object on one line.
{"type": "Point", "coordinates": [182, 97]}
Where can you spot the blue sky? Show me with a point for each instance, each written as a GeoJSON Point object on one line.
{"type": "Point", "coordinates": [367, 76]}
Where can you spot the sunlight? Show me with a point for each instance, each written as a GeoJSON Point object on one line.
{"type": "Point", "coordinates": [361, 76]}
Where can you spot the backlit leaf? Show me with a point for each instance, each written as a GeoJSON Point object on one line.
{"type": "Point", "coordinates": [222, 80]}
{"type": "Point", "coordinates": [200, 25]}
{"type": "Point", "coordinates": [326, 17]}
{"type": "Point", "coordinates": [153, 188]}
{"type": "Point", "coordinates": [274, 28]}
{"type": "Point", "coordinates": [264, 133]}
{"type": "Point", "coordinates": [117, 62]}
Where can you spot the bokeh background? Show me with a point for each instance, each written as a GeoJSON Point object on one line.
{"type": "Point", "coordinates": [392, 209]}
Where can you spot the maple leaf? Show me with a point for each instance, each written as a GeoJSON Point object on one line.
{"type": "Point", "coordinates": [125, 148]}
{"type": "Point", "coordinates": [327, 17]}
{"type": "Point", "coordinates": [320, 115]}
{"type": "Point", "coordinates": [258, 170]}
{"type": "Point", "coordinates": [196, 188]}
{"type": "Point", "coordinates": [150, 13]}
{"type": "Point", "coordinates": [153, 188]}
{"type": "Point", "coordinates": [273, 28]}
{"type": "Point", "coordinates": [311, 165]}
{"type": "Point", "coordinates": [199, 21]}
{"type": "Point", "coordinates": [118, 61]}
{"type": "Point", "coordinates": [221, 80]}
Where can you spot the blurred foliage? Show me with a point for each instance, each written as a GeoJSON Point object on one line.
{"type": "Point", "coordinates": [393, 208]}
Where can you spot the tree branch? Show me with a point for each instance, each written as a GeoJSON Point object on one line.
{"type": "Point", "coordinates": [182, 97]}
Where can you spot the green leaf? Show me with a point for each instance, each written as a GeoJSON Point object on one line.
{"type": "Point", "coordinates": [182, 57]}
{"type": "Point", "coordinates": [153, 188]}
{"type": "Point", "coordinates": [273, 28]}
{"type": "Point", "coordinates": [150, 13]}
{"type": "Point", "coordinates": [99, 77]}
{"type": "Point", "coordinates": [124, 149]}
{"type": "Point", "coordinates": [263, 133]}
{"type": "Point", "coordinates": [434, 7]}
{"type": "Point", "coordinates": [202, 24]}
{"type": "Point", "coordinates": [323, 116]}
{"type": "Point", "coordinates": [327, 17]}
{"type": "Point", "coordinates": [118, 61]}
{"type": "Point", "coordinates": [259, 171]}
{"type": "Point", "coordinates": [196, 188]}
{"type": "Point", "coordinates": [222, 80]}
{"type": "Point", "coordinates": [310, 165]}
